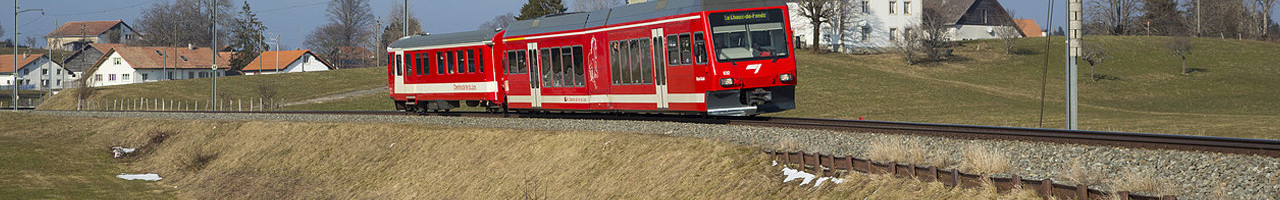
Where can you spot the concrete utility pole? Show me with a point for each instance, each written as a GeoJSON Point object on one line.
{"type": "Point", "coordinates": [49, 74]}
{"type": "Point", "coordinates": [1074, 10]}
{"type": "Point", "coordinates": [15, 84]}
{"type": "Point", "coordinates": [404, 28]}
{"type": "Point", "coordinates": [214, 48]}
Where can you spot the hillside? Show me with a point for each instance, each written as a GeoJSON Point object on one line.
{"type": "Point", "coordinates": [1231, 94]}
{"type": "Point", "coordinates": [289, 87]}
{"type": "Point", "coordinates": [67, 158]}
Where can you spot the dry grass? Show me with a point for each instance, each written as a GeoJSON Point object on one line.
{"type": "Point", "coordinates": [1140, 181]}
{"type": "Point", "coordinates": [1081, 173]}
{"type": "Point", "coordinates": [901, 150]}
{"type": "Point", "coordinates": [296, 160]}
{"type": "Point", "coordinates": [983, 160]}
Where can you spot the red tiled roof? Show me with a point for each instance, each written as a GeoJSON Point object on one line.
{"type": "Point", "coordinates": [267, 60]}
{"type": "Point", "coordinates": [178, 57]}
{"type": "Point", "coordinates": [104, 47]}
{"type": "Point", "coordinates": [6, 61]}
{"type": "Point", "coordinates": [1029, 28]}
{"type": "Point", "coordinates": [90, 28]}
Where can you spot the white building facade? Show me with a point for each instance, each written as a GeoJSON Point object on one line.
{"type": "Point", "coordinates": [114, 69]}
{"type": "Point", "coordinates": [37, 72]}
{"type": "Point", "coordinates": [874, 25]}
{"type": "Point", "coordinates": [273, 62]}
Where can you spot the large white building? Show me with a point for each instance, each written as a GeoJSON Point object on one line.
{"type": "Point", "coordinates": [36, 72]}
{"type": "Point", "coordinates": [874, 25]}
{"type": "Point", "coordinates": [976, 19]}
{"type": "Point", "coordinates": [129, 65]}
{"type": "Point", "coordinates": [272, 62]}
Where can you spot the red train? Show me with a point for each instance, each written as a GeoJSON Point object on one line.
{"type": "Point", "coordinates": [649, 57]}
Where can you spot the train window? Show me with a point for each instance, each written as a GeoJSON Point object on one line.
{"type": "Point", "coordinates": [660, 62]}
{"type": "Point", "coordinates": [545, 65]}
{"type": "Point", "coordinates": [557, 69]}
{"type": "Point", "coordinates": [508, 62]}
{"type": "Point", "coordinates": [699, 48]}
{"type": "Point", "coordinates": [614, 63]}
{"type": "Point", "coordinates": [407, 65]}
{"type": "Point", "coordinates": [673, 50]}
{"type": "Point", "coordinates": [417, 64]}
{"type": "Point", "coordinates": [471, 61]}
{"type": "Point", "coordinates": [646, 65]}
{"type": "Point", "coordinates": [462, 62]}
{"type": "Point", "coordinates": [480, 60]}
{"type": "Point", "coordinates": [521, 65]}
{"type": "Point", "coordinates": [439, 63]}
{"type": "Point", "coordinates": [756, 39]}
{"type": "Point", "coordinates": [579, 79]}
{"type": "Point", "coordinates": [628, 62]}
{"type": "Point", "coordinates": [449, 58]}
{"type": "Point", "coordinates": [566, 71]}
{"type": "Point", "coordinates": [685, 50]}
{"type": "Point", "coordinates": [398, 66]}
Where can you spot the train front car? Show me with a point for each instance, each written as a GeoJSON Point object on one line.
{"type": "Point", "coordinates": [440, 72]}
{"type": "Point", "coordinates": [753, 64]}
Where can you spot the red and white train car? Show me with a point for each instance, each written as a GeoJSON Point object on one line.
{"type": "Point", "coordinates": [712, 57]}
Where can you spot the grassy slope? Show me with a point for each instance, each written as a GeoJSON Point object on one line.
{"type": "Point", "coordinates": [275, 159]}
{"type": "Point", "coordinates": [293, 86]}
{"type": "Point", "coordinates": [1233, 98]}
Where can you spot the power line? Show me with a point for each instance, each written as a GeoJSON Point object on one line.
{"type": "Point", "coordinates": [97, 12]}
{"type": "Point", "coordinates": [292, 7]}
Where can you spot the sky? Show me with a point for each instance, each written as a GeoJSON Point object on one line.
{"type": "Point", "coordinates": [293, 19]}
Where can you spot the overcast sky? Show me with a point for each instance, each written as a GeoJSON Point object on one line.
{"type": "Point", "coordinates": [293, 19]}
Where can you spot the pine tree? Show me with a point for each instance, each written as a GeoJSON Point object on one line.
{"type": "Point", "coordinates": [247, 39]}
{"type": "Point", "coordinates": [538, 8]}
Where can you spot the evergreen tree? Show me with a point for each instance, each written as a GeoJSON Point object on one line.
{"type": "Point", "coordinates": [538, 8]}
{"type": "Point", "coordinates": [394, 30]}
{"type": "Point", "coordinates": [246, 38]}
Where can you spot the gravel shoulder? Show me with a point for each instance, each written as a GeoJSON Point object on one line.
{"type": "Point", "coordinates": [1195, 175]}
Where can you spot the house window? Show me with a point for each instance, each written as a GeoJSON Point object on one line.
{"type": "Point", "coordinates": [59, 82]}
{"type": "Point", "coordinates": [116, 60]}
{"type": "Point", "coordinates": [44, 71]}
{"type": "Point", "coordinates": [168, 75]}
{"type": "Point", "coordinates": [124, 77]}
{"type": "Point", "coordinates": [144, 77]}
{"type": "Point", "coordinates": [111, 77]}
{"type": "Point", "coordinates": [906, 7]}
{"type": "Point", "coordinates": [97, 77]}
{"type": "Point", "coordinates": [866, 33]}
{"type": "Point", "coordinates": [191, 74]}
{"type": "Point", "coordinates": [893, 34]}
{"type": "Point", "coordinates": [866, 8]}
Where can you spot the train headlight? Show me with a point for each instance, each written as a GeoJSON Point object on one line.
{"type": "Point", "coordinates": [726, 82]}
{"type": "Point", "coordinates": [786, 77]}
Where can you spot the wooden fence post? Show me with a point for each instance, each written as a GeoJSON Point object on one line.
{"type": "Point", "coordinates": [1082, 191]}
{"type": "Point", "coordinates": [1124, 195]}
{"type": "Point", "coordinates": [1046, 188]}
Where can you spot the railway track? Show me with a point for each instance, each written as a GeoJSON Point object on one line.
{"type": "Point", "coordinates": [1246, 146]}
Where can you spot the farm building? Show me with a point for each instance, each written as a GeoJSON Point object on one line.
{"type": "Point", "coordinates": [73, 36]}
{"type": "Point", "coordinates": [35, 72]}
{"type": "Point", "coordinates": [272, 62]}
{"type": "Point", "coordinates": [128, 65]}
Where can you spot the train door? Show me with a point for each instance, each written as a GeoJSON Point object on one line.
{"type": "Point", "coordinates": [535, 84]}
{"type": "Point", "coordinates": [398, 79]}
{"type": "Point", "coordinates": [659, 68]}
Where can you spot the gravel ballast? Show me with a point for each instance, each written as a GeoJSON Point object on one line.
{"type": "Point", "coordinates": [1194, 175]}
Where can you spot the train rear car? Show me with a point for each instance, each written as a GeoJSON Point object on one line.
{"type": "Point", "coordinates": [440, 72]}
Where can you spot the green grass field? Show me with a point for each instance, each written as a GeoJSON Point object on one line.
{"type": "Point", "coordinates": [1232, 94]}
{"type": "Point", "coordinates": [289, 87]}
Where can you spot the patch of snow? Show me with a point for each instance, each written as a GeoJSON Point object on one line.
{"type": "Point", "coordinates": [793, 174]}
{"type": "Point", "coordinates": [147, 177]}
{"type": "Point", "coordinates": [775, 163]}
{"type": "Point", "coordinates": [118, 152]}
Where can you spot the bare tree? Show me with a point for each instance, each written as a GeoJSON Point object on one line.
{"type": "Point", "coordinates": [1093, 54]}
{"type": "Point", "coordinates": [1219, 18]}
{"type": "Point", "coordinates": [818, 12]}
{"type": "Point", "coordinates": [1009, 33]}
{"type": "Point", "coordinates": [936, 35]}
{"type": "Point", "coordinates": [911, 45]}
{"type": "Point", "coordinates": [1181, 47]}
{"type": "Point", "coordinates": [395, 30]}
{"type": "Point", "coordinates": [847, 15]}
{"type": "Point", "coordinates": [31, 42]}
{"type": "Point", "coordinates": [593, 5]}
{"type": "Point", "coordinates": [500, 21]}
{"type": "Point", "coordinates": [183, 22]}
{"type": "Point", "coordinates": [1116, 15]}
{"type": "Point", "coordinates": [351, 26]}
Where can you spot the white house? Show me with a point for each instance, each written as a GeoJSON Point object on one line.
{"type": "Point", "coordinates": [128, 65]}
{"type": "Point", "coordinates": [73, 36]}
{"type": "Point", "coordinates": [975, 19]}
{"type": "Point", "coordinates": [875, 25]}
{"type": "Point", "coordinates": [272, 62]}
{"type": "Point", "coordinates": [37, 72]}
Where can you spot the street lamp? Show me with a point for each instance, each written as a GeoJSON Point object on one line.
{"type": "Point", "coordinates": [16, 11]}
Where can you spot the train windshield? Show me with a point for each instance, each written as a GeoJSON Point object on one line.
{"type": "Point", "coordinates": [749, 35]}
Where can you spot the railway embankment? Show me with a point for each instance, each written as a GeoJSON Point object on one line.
{"type": "Point", "coordinates": [1187, 174]}
{"type": "Point", "coordinates": [220, 156]}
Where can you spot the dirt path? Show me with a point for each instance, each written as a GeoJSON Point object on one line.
{"type": "Point", "coordinates": [337, 96]}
